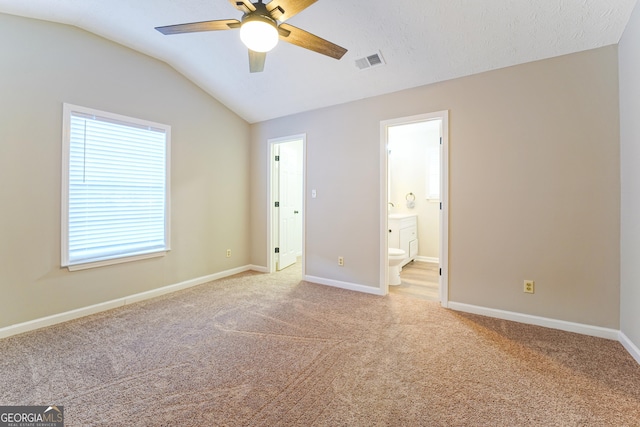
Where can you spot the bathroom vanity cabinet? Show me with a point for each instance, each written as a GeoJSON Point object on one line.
{"type": "Point", "coordinates": [403, 234]}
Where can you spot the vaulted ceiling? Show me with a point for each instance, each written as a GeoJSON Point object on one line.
{"type": "Point", "coordinates": [421, 42]}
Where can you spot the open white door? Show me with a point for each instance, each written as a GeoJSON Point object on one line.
{"type": "Point", "coordinates": [285, 241]}
{"type": "Point", "coordinates": [287, 210]}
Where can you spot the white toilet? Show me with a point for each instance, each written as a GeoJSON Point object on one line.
{"type": "Point", "coordinates": [396, 256]}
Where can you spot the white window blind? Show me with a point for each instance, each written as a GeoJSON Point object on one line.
{"type": "Point", "coordinates": [116, 188]}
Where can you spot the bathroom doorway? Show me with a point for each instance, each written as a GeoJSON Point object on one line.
{"type": "Point", "coordinates": [286, 202]}
{"type": "Point", "coordinates": [414, 152]}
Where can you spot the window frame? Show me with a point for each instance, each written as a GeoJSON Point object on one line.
{"type": "Point", "coordinates": [68, 110]}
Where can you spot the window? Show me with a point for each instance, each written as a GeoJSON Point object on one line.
{"type": "Point", "coordinates": [115, 191]}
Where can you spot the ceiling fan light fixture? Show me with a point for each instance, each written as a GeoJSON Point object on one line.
{"type": "Point", "coordinates": [261, 26]}
{"type": "Point", "coordinates": [259, 33]}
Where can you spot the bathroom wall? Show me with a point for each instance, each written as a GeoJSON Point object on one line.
{"type": "Point", "coordinates": [409, 173]}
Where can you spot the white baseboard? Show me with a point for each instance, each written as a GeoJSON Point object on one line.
{"type": "Point", "coordinates": [428, 259]}
{"type": "Point", "coordinates": [633, 350]}
{"type": "Point", "coordinates": [467, 308]}
{"type": "Point", "coordinates": [343, 285]}
{"type": "Point", "coordinates": [258, 268]}
{"type": "Point", "coordinates": [108, 305]}
{"type": "Point", "coordinates": [562, 325]}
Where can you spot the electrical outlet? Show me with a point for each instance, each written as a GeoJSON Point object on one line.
{"type": "Point", "coordinates": [529, 286]}
{"type": "Point", "coordinates": [340, 261]}
{"type": "Point", "coordinates": [228, 253]}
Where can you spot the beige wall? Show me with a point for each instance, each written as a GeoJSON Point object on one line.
{"type": "Point", "coordinates": [44, 65]}
{"type": "Point", "coordinates": [629, 52]}
{"type": "Point", "coordinates": [534, 186]}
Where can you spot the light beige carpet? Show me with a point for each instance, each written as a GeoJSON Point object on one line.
{"type": "Point", "coordinates": [268, 350]}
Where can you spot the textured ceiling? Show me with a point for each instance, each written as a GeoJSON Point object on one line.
{"type": "Point", "coordinates": [422, 42]}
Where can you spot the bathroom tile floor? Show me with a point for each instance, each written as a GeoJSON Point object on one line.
{"type": "Point", "coordinates": [419, 280]}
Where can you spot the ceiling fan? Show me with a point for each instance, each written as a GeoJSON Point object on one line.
{"type": "Point", "coordinates": [260, 28]}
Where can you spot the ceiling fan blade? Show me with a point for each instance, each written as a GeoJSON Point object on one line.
{"type": "Point", "coordinates": [194, 27]}
{"type": "Point", "coordinates": [256, 61]}
{"type": "Point", "coordinates": [309, 41]}
{"type": "Point", "coordinates": [285, 9]}
{"type": "Point", "coordinates": [243, 6]}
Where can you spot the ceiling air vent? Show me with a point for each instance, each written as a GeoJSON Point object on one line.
{"type": "Point", "coordinates": [370, 61]}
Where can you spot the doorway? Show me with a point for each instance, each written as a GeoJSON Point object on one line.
{"type": "Point", "coordinates": [286, 202]}
{"type": "Point", "coordinates": [414, 183]}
